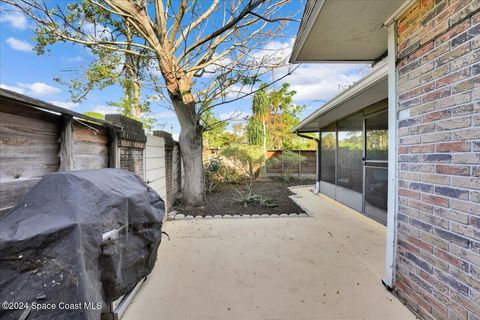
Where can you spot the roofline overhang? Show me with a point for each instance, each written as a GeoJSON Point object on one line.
{"type": "Point", "coordinates": [377, 75]}
{"type": "Point", "coordinates": [308, 22]}
{"type": "Point", "coordinates": [397, 13]}
{"type": "Point", "coordinates": [303, 32]}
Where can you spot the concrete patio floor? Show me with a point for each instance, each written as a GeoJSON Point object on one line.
{"type": "Point", "coordinates": [328, 266]}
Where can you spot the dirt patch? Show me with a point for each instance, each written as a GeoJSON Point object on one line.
{"type": "Point", "coordinates": [222, 200]}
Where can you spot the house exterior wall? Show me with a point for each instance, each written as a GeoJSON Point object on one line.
{"type": "Point", "coordinates": [438, 219]}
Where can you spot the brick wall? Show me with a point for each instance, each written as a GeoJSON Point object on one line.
{"type": "Point", "coordinates": [131, 143]}
{"type": "Point", "coordinates": [438, 252]}
{"type": "Point", "coordinates": [176, 170]}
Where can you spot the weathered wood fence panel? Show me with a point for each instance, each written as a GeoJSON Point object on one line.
{"type": "Point", "coordinates": [37, 138]}
{"type": "Point", "coordinates": [90, 147]}
{"type": "Point", "coordinates": [29, 149]}
{"type": "Point", "coordinates": [306, 168]}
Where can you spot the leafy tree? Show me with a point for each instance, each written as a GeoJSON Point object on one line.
{"type": "Point", "coordinates": [257, 126]}
{"type": "Point", "coordinates": [96, 115]}
{"type": "Point", "coordinates": [214, 134]}
{"type": "Point", "coordinates": [329, 141]}
{"type": "Point", "coordinates": [273, 115]}
{"type": "Point", "coordinates": [110, 67]}
{"type": "Point", "coordinates": [246, 158]}
{"type": "Point", "coordinates": [178, 42]}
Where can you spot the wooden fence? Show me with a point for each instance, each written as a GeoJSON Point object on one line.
{"type": "Point", "coordinates": [304, 169]}
{"type": "Point", "coordinates": [37, 138]}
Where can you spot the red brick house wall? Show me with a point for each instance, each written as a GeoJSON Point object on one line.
{"type": "Point", "coordinates": [438, 235]}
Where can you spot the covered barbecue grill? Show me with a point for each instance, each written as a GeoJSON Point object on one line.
{"type": "Point", "coordinates": [78, 241]}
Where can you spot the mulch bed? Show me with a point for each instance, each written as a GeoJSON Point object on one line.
{"type": "Point", "coordinates": [221, 201]}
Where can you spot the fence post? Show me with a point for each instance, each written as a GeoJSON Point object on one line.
{"type": "Point", "coordinates": [283, 168]}
{"type": "Point", "coordinates": [66, 146]}
{"type": "Point", "coordinates": [113, 151]}
{"type": "Point", "coordinates": [299, 165]}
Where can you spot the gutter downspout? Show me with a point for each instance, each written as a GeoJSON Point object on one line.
{"type": "Point", "coordinates": [317, 172]}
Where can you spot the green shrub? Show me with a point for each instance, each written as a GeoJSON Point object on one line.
{"type": "Point", "coordinates": [217, 172]}
{"type": "Point", "coordinates": [246, 159]}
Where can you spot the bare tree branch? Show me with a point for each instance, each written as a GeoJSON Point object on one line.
{"type": "Point", "coordinates": [254, 91]}
{"type": "Point", "coordinates": [194, 24]}
{"type": "Point", "coordinates": [178, 20]}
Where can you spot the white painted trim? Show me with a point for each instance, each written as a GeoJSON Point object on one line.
{"type": "Point", "coordinates": [392, 159]}
{"type": "Point", "coordinates": [334, 61]}
{"type": "Point", "coordinates": [375, 76]}
{"type": "Point", "coordinates": [302, 36]}
{"type": "Point", "coordinates": [397, 13]}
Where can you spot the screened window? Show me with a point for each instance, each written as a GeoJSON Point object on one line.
{"type": "Point", "coordinates": [327, 154]}
{"type": "Point", "coordinates": [350, 153]}
{"type": "Point", "coordinates": [376, 128]}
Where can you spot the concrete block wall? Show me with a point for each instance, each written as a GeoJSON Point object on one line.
{"type": "Point", "coordinates": [163, 166]}
{"type": "Point", "coordinates": [438, 234]}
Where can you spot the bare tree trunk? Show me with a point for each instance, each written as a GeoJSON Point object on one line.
{"type": "Point", "coordinates": [264, 146]}
{"type": "Point", "coordinates": [136, 97]}
{"type": "Point", "coordinates": [192, 155]}
{"type": "Point", "coordinates": [191, 147]}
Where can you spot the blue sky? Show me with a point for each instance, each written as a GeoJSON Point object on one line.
{"type": "Point", "coordinates": [23, 71]}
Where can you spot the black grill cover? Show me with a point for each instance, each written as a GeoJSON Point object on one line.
{"type": "Point", "coordinates": [52, 250]}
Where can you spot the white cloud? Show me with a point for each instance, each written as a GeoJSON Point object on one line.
{"type": "Point", "coordinates": [39, 89]}
{"type": "Point", "coordinates": [311, 81]}
{"type": "Point", "coordinates": [64, 104]}
{"type": "Point", "coordinates": [162, 115]}
{"type": "Point", "coordinates": [274, 52]}
{"type": "Point", "coordinates": [12, 88]}
{"type": "Point", "coordinates": [96, 31]}
{"type": "Point", "coordinates": [15, 19]}
{"type": "Point", "coordinates": [103, 109]}
{"type": "Point", "coordinates": [322, 81]}
{"type": "Point", "coordinates": [237, 91]}
{"type": "Point", "coordinates": [76, 59]}
{"type": "Point", "coordinates": [19, 45]}
{"type": "Point", "coordinates": [217, 67]}
{"type": "Point", "coordinates": [234, 115]}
